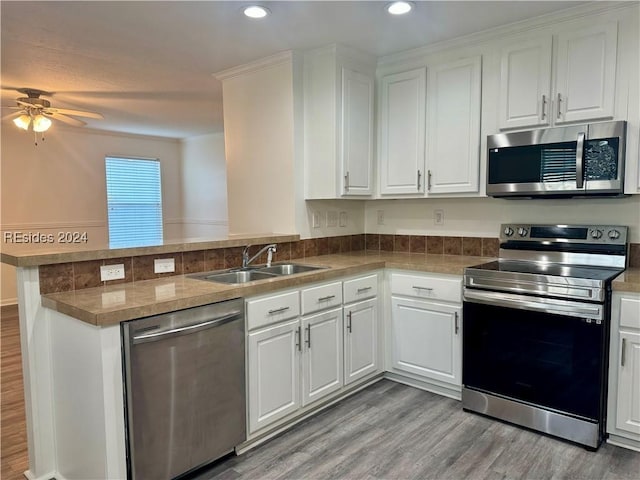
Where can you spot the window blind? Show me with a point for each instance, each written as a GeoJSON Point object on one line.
{"type": "Point", "coordinates": [134, 202]}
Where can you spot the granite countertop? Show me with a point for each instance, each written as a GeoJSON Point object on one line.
{"type": "Point", "coordinates": [627, 281]}
{"type": "Point", "coordinates": [117, 303]}
{"type": "Point", "coordinates": [34, 254]}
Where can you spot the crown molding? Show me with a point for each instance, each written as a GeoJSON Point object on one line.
{"type": "Point", "coordinates": [257, 65]}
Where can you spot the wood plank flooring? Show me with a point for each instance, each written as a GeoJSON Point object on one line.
{"type": "Point", "coordinates": [13, 430]}
{"type": "Point", "coordinates": [392, 431]}
{"type": "Point", "coordinates": [387, 431]}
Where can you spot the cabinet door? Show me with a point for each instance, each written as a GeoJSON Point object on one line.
{"type": "Point", "coordinates": [525, 84]}
{"type": "Point", "coordinates": [360, 340]}
{"type": "Point", "coordinates": [357, 132]}
{"type": "Point", "coordinates": [586, 73]}
{"type": "Point", "coordinates": [628, 404]}
{"type": "Point", "coordinates": [453, 140]}
{"type": "Point", "coordinates": [402, 132]}
{"type": "Point", "coordinates": [274, 373]}
{"type": "Point", "coordinates": [426, 339]}
{"type": "Point", "coordinates": [322, 355]}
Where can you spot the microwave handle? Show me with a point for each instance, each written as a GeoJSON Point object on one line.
{"type": "Point", "coordinates": [580, 160]}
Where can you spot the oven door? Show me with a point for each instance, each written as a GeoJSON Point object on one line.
{"type": "Point", "coordinates": [544, 352]}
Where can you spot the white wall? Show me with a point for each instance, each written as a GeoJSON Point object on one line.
{"type": "Point", "coordinates": [204, 186]}
{"type": "Point", "coordinates": [59, 185]}
{"type": "Point", "coordinates": [481, 217]}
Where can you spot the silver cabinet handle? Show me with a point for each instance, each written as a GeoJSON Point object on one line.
{"type": "Point", "coordinates": [364, 289]}
{"type": "Point", "coordinates": [455, 317]}
{"type": "Point", "coordinates": [278, 310]}
{"type": "Point", "coordinates": [544, 107]}
{"type": "Point", "coordinates": [328, 297]}
{"type": "Point", "coordinates": [349, 322]}
{"type": "Point", "coordinates": [308, 341]}
{"type": "Point", "coordinates": [624, 352]}
{"type": "Point", "coordinates": [419, 177]}
{"type": "Point", "coordinates": [299, 338]}
{"type": "Point", "coordinates": [423, 288]}
{"type": "Point", "coordinates": [428, 179]}
{"type": "Point", "coordinates": [559, 103]}
{"type": "Point", "coordinates": [580, 160]}
{"type": "Point", "coordinates": [346, 181]}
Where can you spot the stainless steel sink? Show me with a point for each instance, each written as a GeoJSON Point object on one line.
{"type": "Point", "coordinates": [241, 276]}
{"type": "Point", "coordinates": [254, 273]}
{"type": "Point", "coordinates": [289, 269]}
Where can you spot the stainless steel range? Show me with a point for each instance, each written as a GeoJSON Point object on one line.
{"type": "Point", "coordinates": [536, 328]}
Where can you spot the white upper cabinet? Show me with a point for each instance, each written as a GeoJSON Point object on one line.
{"type": "Point", "coordinates": [581, 87]}
{"type": "Point", "coordinates": [586, 73]}
{"type": "Point", "coordinates": [453, 138]}
{"type": "Point", "coordinates": [338, 89]}
{"type": "Point", "coordinates": [402, 132]}
{"type": "Point", "coordinates": [525, 84]}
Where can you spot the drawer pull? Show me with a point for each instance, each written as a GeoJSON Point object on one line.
{"type": "Point", "coordinates": [423, 288]}
{"type": "Point", "coordinates": [278, 310]}
{"type": "Point", "coordinates": [364, 289]}
{"type": "Point", "coordinates": [328, 297]}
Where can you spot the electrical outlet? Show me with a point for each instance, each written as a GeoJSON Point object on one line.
{"type": "Point", "coordinates": [111, 272]}
{"type": "Point", "coordinates": [164, 265]}
{"type": "Point", "coordinates": [316, 219]}
{"type": "Point", "coordinates": [438, 217]}
{"type": "Point", "coordinates": [332, 218]}
{"type": "Point", "coordinates": [380, 217]}
{"type": "Point", "coordinates": [344, 218]}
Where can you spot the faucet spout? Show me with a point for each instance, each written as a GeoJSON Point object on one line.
{"type": "Point", "coordinates": [246, 261]}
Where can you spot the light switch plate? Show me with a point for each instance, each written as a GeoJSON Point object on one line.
{"type": "Point", "coordinates": [164, 265]}
{"type": "Point", "coordinates": [315, 217]}
{"type": "Point", "coordinates": [111, 272]}
{"type": "Point", "coordinates": [438, 217]}
{"type": "Point", "coordinates": [380, 217]}
{"type": "Point", "coordinates": [343, 219]}
{"type": "Point", "coordinates": [332, 218]}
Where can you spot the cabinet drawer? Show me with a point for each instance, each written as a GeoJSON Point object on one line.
{"type": "Point", "coordinates": [265, 311]}
{"type": "Point", "coordinates": [322, 297]}
{"type": "Point", "coordinates": [630, 313]}
{"type": "Point", "coordinates": [360, 288]}
{"type": "Point", "coordinates": [446, 289]}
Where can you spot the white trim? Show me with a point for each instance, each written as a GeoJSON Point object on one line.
{"type": "Point", "coordinates": [256, 65]}
{"type": "Point", "coordinates": [204, 221]}
{"type": "Point", "coordinates": [522, 26]}
{"type": "Point", "coordinates": [53, 225]}
{"type": "Point", "coordinates": [47, 476]}
{"type": "Point", "coordinates": [7, 302]}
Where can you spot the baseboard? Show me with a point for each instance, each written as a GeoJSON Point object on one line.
{"type": "Point", "coordinates": [623, 442]}
{"type": "Point", "coordinates": [47, 476]}
{"type": "Point", "coordinates": [7, 302]}
{"type": "Point", "coordinates": [450, 392]}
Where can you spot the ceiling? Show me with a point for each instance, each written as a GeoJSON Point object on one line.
{"type": "Point", "coordinates": [147, 66]}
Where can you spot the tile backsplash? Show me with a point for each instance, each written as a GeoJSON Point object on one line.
{"type": "Point", "coordinates": [64, 277]}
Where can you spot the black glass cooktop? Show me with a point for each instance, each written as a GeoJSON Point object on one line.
{"type": "Point", "coordinates": [554, 269]}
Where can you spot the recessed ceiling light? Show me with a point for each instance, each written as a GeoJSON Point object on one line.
{"type": "Point", "coordinates": [399, 8]}
{"type": "Point", "coordinates": [256, 11]}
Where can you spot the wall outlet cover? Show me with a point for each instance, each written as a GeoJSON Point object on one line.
{"type": "Point", "coordinates": [344, 218]}
{"type": "Point", "coordinates": [332, 218]}
{"type": "Point", "coordinates": [164, 265]}
{"type": "Point", "coordinates": [380, 217]}
{"type": "Point", "coordinates": [111, 272]}
{"type": "Point", "coordinates": [315, 218]}
{"type": "Point", "coordinates": [438, 217]}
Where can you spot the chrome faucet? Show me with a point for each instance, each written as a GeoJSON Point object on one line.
{"type": "Point", "coordinates": [271, 249]}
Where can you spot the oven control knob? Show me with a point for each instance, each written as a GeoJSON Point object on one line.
{"type": "Point", "coordinates": [596, 234]}
{"type": "Point", "coordinates": [522, 232]}
{"type": "Point", "coordinates": [614, 234]}
{"type": "Point", "coordinates": [508, 231]}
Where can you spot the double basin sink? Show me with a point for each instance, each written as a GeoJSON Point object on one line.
{"type": "Point", "coordinates": [251, 274]}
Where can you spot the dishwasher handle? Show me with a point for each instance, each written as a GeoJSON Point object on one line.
{"type": "Point", "coordinates": [152, 337]}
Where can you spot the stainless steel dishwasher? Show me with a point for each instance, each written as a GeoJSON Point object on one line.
{"type": "Point", "coordinates": [184, 388]}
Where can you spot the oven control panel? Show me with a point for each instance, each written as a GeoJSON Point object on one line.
{"type": "Point", "coordinates": [590, 234]}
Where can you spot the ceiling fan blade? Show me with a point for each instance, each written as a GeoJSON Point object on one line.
{"type": "Point", "coordinates": [19, 102]}
{"type": "Point", "coordinates": [11, 115]}
{"type": "Point", "coordinates": [77, 113]}
{"type": "Point", "coordinates": [65, 119]}
{"type": "Point", "coordinates": [13, 108]}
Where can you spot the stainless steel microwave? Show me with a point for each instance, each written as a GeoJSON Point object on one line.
{"type": "Point", "coordinates": [577, 160]}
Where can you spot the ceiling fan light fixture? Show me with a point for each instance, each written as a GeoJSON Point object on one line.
{"type": "Point", "coordinates": [256, 11]}
{"type": "Point", "coordinates": [41, 123]}
{"type": "Point", "coordinates": [22, 121]}
{"type": "Point", "coordinates": [399, 8]}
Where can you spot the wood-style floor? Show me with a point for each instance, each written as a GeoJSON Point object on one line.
{"type": "Point", "coordinates": [387, 431]}
{"type": "Point", "coordinates": [13, 430]}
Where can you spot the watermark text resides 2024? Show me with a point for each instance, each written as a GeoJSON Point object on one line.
{"type": "Point", "coordinates": [40, 237]}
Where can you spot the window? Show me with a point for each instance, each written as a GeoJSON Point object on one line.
{"type": "Point", "coordinates": [134, 202]}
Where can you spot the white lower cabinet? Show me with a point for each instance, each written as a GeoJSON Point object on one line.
{"type": "Point", "coordinates": [274, 373]}
{"type": "Point", "coordinates": [321, 355]}
{"type": "Point", "coordinates": [360, 340]}
{"type": "Point", "coordinates": [624, 370]}
{"type": "Point", "coordinates": [426, 329]}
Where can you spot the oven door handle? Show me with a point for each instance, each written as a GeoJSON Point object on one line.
{"type": "Point", "coordinates": [523, 302]}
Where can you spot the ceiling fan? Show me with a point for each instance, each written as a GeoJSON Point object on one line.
{"type": "Point", "coordinates": [35, 112]}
